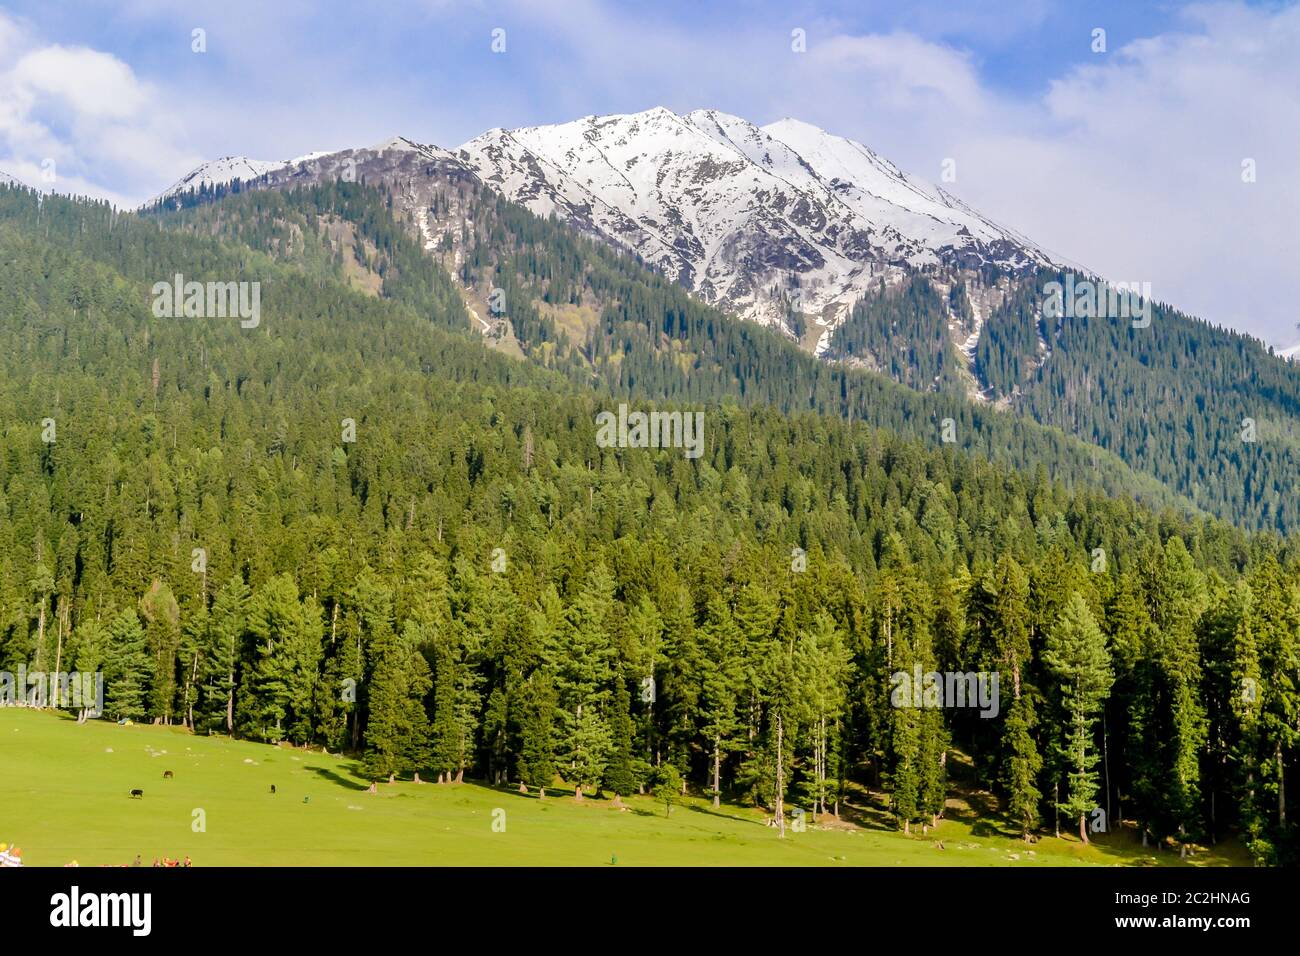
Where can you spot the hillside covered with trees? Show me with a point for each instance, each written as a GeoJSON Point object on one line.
{"type": "Point", "coordinates": [462, 582]}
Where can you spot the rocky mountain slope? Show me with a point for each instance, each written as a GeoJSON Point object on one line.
{"type": "Point", "coordinates": [760, 221]}
{"type": "Point", "coordinates": [777, 224]}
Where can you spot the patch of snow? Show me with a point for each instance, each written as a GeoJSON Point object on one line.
{"type": "Point", "coordinates": [968, 347]}
{"type": "Point", "coordinates": [706, 196]}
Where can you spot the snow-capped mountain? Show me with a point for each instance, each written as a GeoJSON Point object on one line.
{"type": "Point", "coordinates": [747, 217]}
{"type": "Point", "coordinates": [7, 180]}
{"type": "Point", "coordinates": [1291, 354]}
{"type": "Point", "coordinates": [760, 221]}
{"type": "Point", "coordinates": [343, 163]}
{"type": "Point", "coordinates": [224, 171]}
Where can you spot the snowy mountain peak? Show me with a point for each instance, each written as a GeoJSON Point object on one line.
{"type": "Point", "coordinates": [1291, 354]}
{"type": "Point", "coordinates": [763, 221]}
{"type": "Point", "coordinates": [224, 171]}
{"type": "Point", "coordinates": [407, 145]}
{"type": "Point", "coordinates": [748, 217]}
{"type": "Point", "coordinates": [7, 180]}
{"type": "Point", "coordinates": [220, 172]}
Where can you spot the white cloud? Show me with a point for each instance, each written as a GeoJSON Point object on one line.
{"type": "Point", "coordinates": [1130, 165]}
{"type": "Point", "coordinates": [1138, 169]}
{"type": "Point", "coordinates": [83, 115]}
{"type": "Point", "coordinates": [903, 72]}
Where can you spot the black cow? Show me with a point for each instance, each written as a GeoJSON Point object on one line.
{"type": "Point", "coordinates": [137, 794]}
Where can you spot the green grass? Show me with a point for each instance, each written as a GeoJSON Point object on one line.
{"type": "Point", "coordinates": [64, 795]}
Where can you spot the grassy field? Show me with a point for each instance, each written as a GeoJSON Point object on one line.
{"type": "Point", "coordinates": [64, 795]}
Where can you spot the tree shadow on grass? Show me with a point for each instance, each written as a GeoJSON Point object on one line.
{"type": "Point", "coordinates": [720, 812]}
{"type": "Point", "coordinates": [337, 778]}
{"type": "Point", "coordinates": [868, 813]}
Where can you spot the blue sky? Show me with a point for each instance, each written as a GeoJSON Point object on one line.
{"type": "Point", "coordinates": [1128, 159]}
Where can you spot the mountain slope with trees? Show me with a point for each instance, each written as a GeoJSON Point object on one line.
{"type": "Point", "coordinates": [465, 583]}
{"type": "Point", "coordinates": [1206, 413]}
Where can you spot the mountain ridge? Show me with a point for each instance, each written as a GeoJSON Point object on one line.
{"type": "Point", "coordinates": [759, 221]}
{"type": "Point", "coordinates": [737, 213]}
{"type": "Point", "coordinates": [1175, 397]}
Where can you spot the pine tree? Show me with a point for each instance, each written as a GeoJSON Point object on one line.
{"type": "Point", "coordinates": [1075, 654]}
{"type": "Point", "coordinates": [1177, 597]}
{"type": "Point", "coordinates": [126, 668]}
{"type": "Point", "coordinates": [91, 642]}
{"type": "Point", "coordinates": [1023, 765]}
{"type": "Point", "coordinates": [456, 701]}
{"type": "Point", "coordinates": [583, 682]}
{"type": "Point", "coordinates": [397, 733]}
{"type": "Point", "coordinates": [285, 638]}
{"type": "Point", "coordinates": [537, 738]}
{"type": "Point", "coordinates": [822, 663]}
{"type": "Point", "coordinates": [720, 678]}
{"type": "Point", "coordinates": [223, 653]}
{"type": "Point", "coordinates": [161, 616]}
{"type": "Point", "coordinates": [1270, 710]}
{"type": "Point", "coordinates": [620, 773]}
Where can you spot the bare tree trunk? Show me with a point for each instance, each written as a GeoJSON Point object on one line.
{"type": "Point", "coordinates": [230, 691]}
{"type": "Point", "coordinates": [1105, 763]}
{"type": "Point", "coordinates": [780, 774]}
{"type": "Point", "coordinates": [40, 636]}
{"type": "Point", "coordinates": [56, 684]}
{"type": "Point", "coordinates": [717, 773]}
{"type": "Point", "coordinates": [1281, 788]}
{"type": "Point", "coordinates": [889, 636]}
{"type": "Point", "coordinates": [189, 697]}
{"type": "Point", "coordinates": [356, 707]}
{"type": "Point", "coordinates": [1056, 808]}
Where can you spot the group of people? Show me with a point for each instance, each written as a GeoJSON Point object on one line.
{"type": "Point", "coordinates": [14, 857]}
{"type": "Point", "coordinates": [138, 861]}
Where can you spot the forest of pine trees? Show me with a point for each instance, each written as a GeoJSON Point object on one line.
{"type": "Point", "coordinates": [473, 589]}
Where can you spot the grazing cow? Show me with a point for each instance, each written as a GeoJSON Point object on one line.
{"type": "Point", "coordinates": [273, 788]}
{"type": "Point", "coordinates": [137, 794]}
{"type": "Point", "coordinates": [167, 775]}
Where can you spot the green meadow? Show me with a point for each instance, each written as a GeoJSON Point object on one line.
{"type": "Point", "coordinates": [64, 795]}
